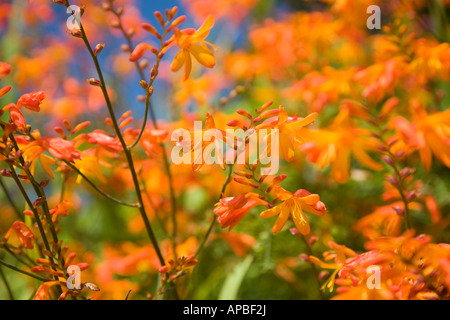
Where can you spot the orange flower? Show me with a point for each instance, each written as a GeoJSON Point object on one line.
{"type": "Point", "coordinates": [336, 144]}
{"type": "Point", "coordinates": [23, 232]}
{"type": "Point", "coordinates": [31, 100]}
{"type": "Point", "coordinates": [232, 209]}
{"type": "Point", "coordinates": [428, 133]}
{"type": "Point", "coordinates": [58, 147]}
{"type": "Point", "coordinates": [193, 43]}
{"type": "Point", "coordinates": [288, 130]}
{"type": "Point", "coordinates": [16, 116]}
{"type": "Point", "coordinates": [294, 205]}
{"type": "Point", "coordinates": [62, 209]}
{"type": "Point", "coordinates": [5, 69]}
{"type": "Point", "coordinates": [43, 293]}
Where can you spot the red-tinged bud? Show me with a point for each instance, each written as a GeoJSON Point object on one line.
{"type": "Point", "coordinates": [10, 160]}
{"type": "Point", "coordinates": [388, 160]}
{"type": "Point", "coordinates": [244, 113]}
{"type": "Point", "coordinates": [30, 214]}
{"type": "Point", "coordinates": [67, 125]}
{"type": "Point", "coordinates": [98, 48]}
{"type": "Point", "coordinates": [406, 172]}
{"type": "Point", "coordinates": [83, 266]}
{"type": "Point", "coordinates": [304, 257]}
{"type": "Point", "coordinates": [164, 269]}
{"type": "Point", "coordinates": [4, 91]}
{"type": "Point", "coordinates": [411, 196]}
{"type": "Point", "coordinates": [382, 148]}
{"type": "Point", "coordinates": [160, 18]}
{"type": "Point", "coordinates": [375, 135]}
{"type": "Point", "coordinates": [141, 98]}
{"type": "Point", "coordinates": [277, 180]}
{"type": "Point", "coordinates": [393, 142]}
{"type": "Point", "coordinates": [81, 126]}
{"type": "Point", "coordinates": [70, 257]}
{"type": "Point", "coordinates": [46, 252]}
{"type": "Point", "coordinates": [294, 231]}
{"type": "Point", "coordinates": [148, 27]}
{"type": "Point", "coordinates": [76, 33]}
{"type": "Point", "coordinates": [399, 154]}
{"type": "Point", "coordinates": [235, 123]}
{"type": "Point", "coordinates": [5, 173]}
{"type": "Point", "coordinates": [125, 122]}
{"type": "Point", "coordinates": [392, 180]}
{"type": "Point", "coordinates": [171, 262]}
{"type": "Point", "coordinates": [191, 263]}
{"type": "Point", "coordinates": [242, 174]}
{"type": "Point", "coordinates": [143, 84]}
{"type": "Point", "coordinates": [126, 114]}
{"type": "Point", "coordinates": [44, 183]}
{"type": "Point", "coordinates": [139, 51]}
{"type": "Point", "coordinates": [173, 11]}
{"type": "Point", "coordinates": [60, 132]}
{"type": "Point", "coordinates": [46, 262]}
{"type": "Point", "coordinates": [37, 202]}
{"type": "Point", "coordinates": [91, 286]}
{"type": "Point", "coordinates": [264, 106]}
{"type": "Point", "coordinates": [63, 251]}
{"type": "Point", "coordinates": [245, 182]}
{"type": "Point", "coordinates": [313, 240]}
{"type": "Point", "coordinates": [94, 82]}
{"type": "Point", "coordinates": [267, 114]}
{"type": "Point", "coordinates": [399, 211]}
{"type": "Point", "coordinates": [175, 23]}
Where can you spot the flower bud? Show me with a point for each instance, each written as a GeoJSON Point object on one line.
{"type": "Point", "coordinates": [98, 48]}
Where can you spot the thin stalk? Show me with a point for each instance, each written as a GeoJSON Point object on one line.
{"type": "Point", "coordinates": [74, 168]}
{"type": "Point", "coordinates": [8, 288]}
{"type": "Point", "coordinates": [19, 213]}
{"type": "Point", "coordinates": [23, 272]}
{"type": "Point", "coordinates": [313, 267]}
{"type": "Point", "coordinates": [211, 226]}
{"type": "Point", "coordinates": [127, 152]}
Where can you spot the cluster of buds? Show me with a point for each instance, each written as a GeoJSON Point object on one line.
{"type": "Point", "coordinates": [177, 269]}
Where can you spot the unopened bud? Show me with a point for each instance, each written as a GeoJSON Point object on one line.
{"type": "Point", "coordinates": [399, 211]}
{"type": "Point", "coordinates": [94, 82]}
{"type": "Point", "coordinates": [98, 48]}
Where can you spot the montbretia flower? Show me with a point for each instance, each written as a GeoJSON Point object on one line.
{"type": "Point", "coordinates": [288, 129]}
{"type": "Point", "coordinates": [193, 43]}
{"type": "Point", "coordinates": [57, 147]}
{"type": "Point", "coordinates": [428, 133]}
{"type": "Point", "coordinates": [16, 117]}
{"type": "Point", "coordinates": [294, 205]}
{"type": "Point", "coordinates": [232, 209]}
{"type": "Point", "coordinates": [336, 144]}
{"type": "Point", "coordinates": [43, 293]}
{"type": "Point", "coordinates": [24, 234]}
{"type": "Point", "coordinates": [5, 69]}
{"type": "Point", "coordinates": [31, 100]}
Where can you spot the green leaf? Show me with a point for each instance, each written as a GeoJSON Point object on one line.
{"type": "Point", "coordinates": [234, 280]}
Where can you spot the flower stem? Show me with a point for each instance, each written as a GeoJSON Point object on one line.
{"type": "Point", "coordinates": [127, 152]}
{"type": "Point", "coordinates": [211, 226]}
